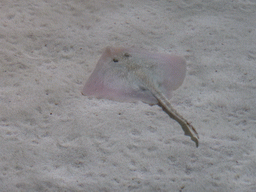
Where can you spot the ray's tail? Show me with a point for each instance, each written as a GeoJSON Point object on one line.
{"type": "Point", "coordinates": [188, 129]}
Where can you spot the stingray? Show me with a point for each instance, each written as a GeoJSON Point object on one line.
{"type": "Point", "coordinates": [130, 75]}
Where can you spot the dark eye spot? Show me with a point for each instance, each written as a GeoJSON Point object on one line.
{"type": "Point", "coordinates": [142, 88]}
{"type": "Point", "coordinates": [127, 55]}
{"type": "Point", "coordinates": [115, 60]}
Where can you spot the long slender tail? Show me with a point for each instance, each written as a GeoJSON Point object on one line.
{"type": "Point", "coordinates": [188, 129]}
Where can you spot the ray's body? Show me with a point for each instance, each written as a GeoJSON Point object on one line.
{"type": "Point", "coordinates": [128, 75]}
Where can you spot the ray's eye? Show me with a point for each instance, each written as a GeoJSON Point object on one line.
{"type": "Point", "coordinates": [142, 88]}
{"type": "Point", "coordinates": [115, 60]}
{"type": "Point", "coordinates": [127, 55]}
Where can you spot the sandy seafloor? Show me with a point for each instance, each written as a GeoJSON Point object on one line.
{"type": "Point", "coordinates": [52, 138]}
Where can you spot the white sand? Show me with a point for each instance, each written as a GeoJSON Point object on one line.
{"type": "Point", "coordinates": [54, 139]}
